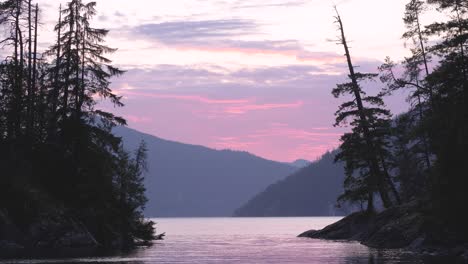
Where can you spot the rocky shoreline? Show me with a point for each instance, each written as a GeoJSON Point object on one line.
{"type": "Point", "coordinates": [52, 235]}
{"type": "Point", "coordinates": [405, 227]}
{"type": "Point", "coordinates": [48, 232]}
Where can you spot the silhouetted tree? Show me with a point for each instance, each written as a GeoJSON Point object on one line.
{"type": "Point", "coordinates": [362, 149]}
{"type": "Point", "coordinates": [449, 124]}
{"type": "Point", "coordinates": [53, 142]}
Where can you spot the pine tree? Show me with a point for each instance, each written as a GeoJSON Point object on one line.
{"type": "Point", "coordinates": [450, 122]}
{"type": "Point", "coordinates": [83, 66]}
{"type": "Point", "coordinates": [414, 9]}
{"type": "Point", "coordinates": [53, 141]}
{"type": "Point", "coordinates": [367, 134]}
{"type": "Point", "coordinates": [131, 195]}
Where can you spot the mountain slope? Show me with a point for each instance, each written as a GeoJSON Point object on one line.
{"type": "Point", "coordinates": [300, 163]}
{"type": "Point", "coordinates": [189, 181]}
{"type": "Point", "coordinates": [311, 191]}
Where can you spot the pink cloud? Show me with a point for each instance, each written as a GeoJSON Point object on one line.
{"type": "Point", "coordinates": [297, 54]}
{"type": "Point", "coordinates": [284, 131]}
{"type": "Point", "coordinates": [313, 152]}
{"type": "Point", "coordinates": [192, 98]}
{"type": "Point", "coordinates": [289, 143]}
{"type": "Point", "coordinates": [287, 119]}
{"type": "Point", "coordinates": [234, 143]}
{"type": "Point", "coordinates": [242, 109]}
{"type": "Point", "coordinates": [235, 106]}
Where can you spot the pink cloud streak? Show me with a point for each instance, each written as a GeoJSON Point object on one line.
{"type": "Point", "coordinates": [192, 98]}
{"type": "Point", "coordinates": [299, 55]}
{"type": "Point", "coordinates": [234, 106]}
{"type": "Point", "coordinates": [253, 107]}
{"type": "Point", "coordinates": [308, 143]}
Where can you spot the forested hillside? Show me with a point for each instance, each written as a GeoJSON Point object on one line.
{"type": "Point", "coordinates": [311, 191]}
{"type": "Point", "coordinates": [65, 180]}
{"type": "Point", "coordinates": [189, 181]}
{"type": "Point", "coordinates": [416, 163]}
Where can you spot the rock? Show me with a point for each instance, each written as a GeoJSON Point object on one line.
{"type": "Point", "coordinates": [352, 227]}
{"type": "Point", "coordinates": [76, 238]}
{"type": "Point", "coordinates": [10, 235]}
{"type": "Point", "coordinates": [405, 226]}
{"type": "Point", "coordinates": [464, 256]}
{"type": "Point", "coordinates": [9, 246]}
{"type": "Point", "coordinates": [61, 233]}
{"type": "Point", "coordinates": [417, 243]}
{"type": "Point", "coordinates": [309, 233]}
{"type": "Point", "coordinates": [394, 228]}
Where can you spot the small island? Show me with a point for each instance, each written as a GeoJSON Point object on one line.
{"type": "Point", "coordinates": [66, 182]}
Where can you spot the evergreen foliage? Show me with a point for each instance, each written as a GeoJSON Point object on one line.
{"type": "Point", "coordinates": [425, 149]}
{"type": "Point", "coordinates": [53, 139]}
{"type": "Point", "coordinates": [364, 149]}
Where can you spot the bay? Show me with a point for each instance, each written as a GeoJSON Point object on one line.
{"type": "Point", "coordinates": [244, 240]}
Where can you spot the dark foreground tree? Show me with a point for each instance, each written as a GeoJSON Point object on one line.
{"type": "Point", "coordinates": [57, 149]}
{"type": "Point", "coordinates": [364, 149]}
{"type": "Point", "coordinates": [448, 128]}
{"type": "Point", "coordinates": [425, 149]}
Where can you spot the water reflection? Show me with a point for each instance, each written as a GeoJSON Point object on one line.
{"type": "Point", "coordinates": [374, 257]}
{"type": "Point", "coordinates": [244, 240]}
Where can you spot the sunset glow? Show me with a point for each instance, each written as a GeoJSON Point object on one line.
{"type": "Point", "coordinates": [251, 75]}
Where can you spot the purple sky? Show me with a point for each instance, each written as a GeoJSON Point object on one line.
{"type": "Point", "coordinates": [250, 75]}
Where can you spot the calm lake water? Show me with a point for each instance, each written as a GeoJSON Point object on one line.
{"type": "Point", "coordinates": [245, 240]}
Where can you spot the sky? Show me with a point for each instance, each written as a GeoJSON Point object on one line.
{"type": "Point", "coordinates": [250, 75]}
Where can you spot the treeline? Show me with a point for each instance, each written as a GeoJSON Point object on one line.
{"type": "Point", "coordinates": [422, 154]}
{"type": "Point", "coordinates": [54, 144]}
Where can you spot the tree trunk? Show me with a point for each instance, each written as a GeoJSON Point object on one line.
{"type": "Point", "coordinates": [68, 65]}
{"type": "Point", "coordinates": [30, 89]}
{"type": "Point", "coordinates": [20, 69]}
{"type": "Point", "coordinates": [374, 167]}
{"type": "Point", "coordinates": [424, 137]}
{"type": "Point", "coordinates": [389, 180]}
{"type": "Point", "coordinates": [370, 202]}
{"type": "Point", "coordinates": [56, 89]}
{"type": "Point", "coordinates": [34, 73]}
{"type": "Point", "coordinates": [424, 54]}
{"type": "Point", "coordinates": [77, 88]}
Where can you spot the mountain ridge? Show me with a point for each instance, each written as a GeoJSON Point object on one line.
{"type": "Point", "coordinates": [186, 180]}
{"type": "Point", "coordinates": [310, 191]}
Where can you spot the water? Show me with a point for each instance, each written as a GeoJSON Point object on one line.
{"type": "Point", "coordinates": [245, 240]}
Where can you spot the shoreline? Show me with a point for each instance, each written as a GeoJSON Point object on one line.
{"type": "Point", "coordinates": [405, 227]}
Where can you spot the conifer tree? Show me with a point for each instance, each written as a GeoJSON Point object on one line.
{"type": "Point", "coordinates": [362, 149]}
{"type": "Point", "coordinates": [48, 102]}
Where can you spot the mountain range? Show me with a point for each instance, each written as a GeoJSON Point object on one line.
{"type": "Point", "coordinates": [311, 191]}
{"type": "Point", "coordinates": [193, 181]}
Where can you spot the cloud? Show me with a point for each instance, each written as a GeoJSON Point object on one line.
{"type": "Point", "coordinates": [184, 32]}
{"type": "Point", "coordinates": [243, 109]}
{"type": "Point", "coordinates": [309, 142]}
{"type": "Point", "coordinates": [234, 143]}
{"type": "Point", "coordinates": [191, 98]}
{"type": "Point", "coordinates": [195, 78]}
{"type": "Point", "coordinates": [241, 4]}
{"type": "Point", "coordinates": [231, 106]}
{"type": "Point", "coordinates": [315, 134]}
{"type": "Point", "coordinates": [226, 35]}
{"type": "Point", "coordinates": [263, 110]}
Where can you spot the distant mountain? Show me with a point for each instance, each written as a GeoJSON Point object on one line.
{"type": "Point", "coordinates": [189, 181]}
{"type": "Point", "coordinates": [311, 191]}
{"type": "Point", "coordinates": [300, 163]}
